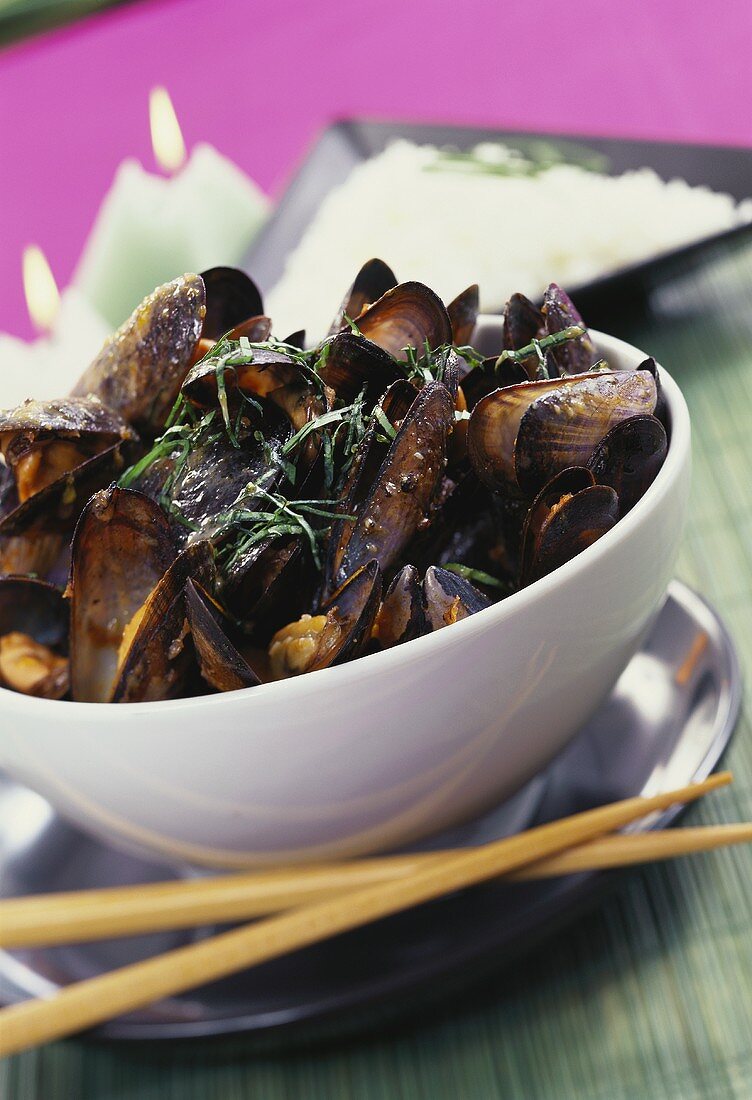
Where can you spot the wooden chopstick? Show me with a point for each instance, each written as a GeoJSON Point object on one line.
{"type": "Point", "coordinates": [108, 913]}
{"type": "Point", "coordinates": [97, 999]}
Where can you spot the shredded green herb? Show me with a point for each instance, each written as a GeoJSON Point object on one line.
{"type": "Point", "coordinates": [476, 575]}
{"type": "Point", "coordinates": [287, 517]}
{"type": "Point", "coordinates": [538, 348]}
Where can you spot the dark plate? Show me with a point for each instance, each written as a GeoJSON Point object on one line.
{"type": "Point", "coordinates": [665, 724]}
{"type": "Point", "coordinates": [347, 143]}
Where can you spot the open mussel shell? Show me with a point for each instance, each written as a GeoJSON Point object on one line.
{"type": "Point", "coordinates": [340, 632]}
{"type": "Point", "coordinates": [401, 616]}
{"type": "Point", "coordinates": [574, 356]}
{"type": "Point", "coordinates": [629, 457]}
{"type": "Point", "coordinates": [35, 608]}
{"type": "Point", "coordinates": [222, 665]}
{"type": "Point", "coordinates": [156, 659]}
{"type": "Point", "coordinates": [449, 597]}
{"type": "Point", "coordinates": [487, 377]}
{"type": "Point", "coordinates": [408, 316]}
{"type": "Point", "coordinates": [139, 371]}
{"type": "Point", "coordinates": [523, 321]}
{"type": "Point", "coordinates": [121, 549]}
{"type": "Point", "coordinates": [43, 442]}
{"type": "Point", "coordinates": [521, 436]}
{"type": "Point", "coordinates": [352, 363]}
{"type": "Point", "coordinates": [270, 370]}
{"type": "Point", "coordinates": [33, 638]}
{"type": "Point", "coordinates": [372, 281]}
{"type": "Point", "coordinates": [232, 297]}
{"type": "Point", "coordinates": [568, 515]}
{"type": "Point", "coordinates": [71, 418]}
{"type": "Point", "coordinates": [296, 339]}
{"type": "Point", "coordinates": [56, 507]}
{"type": "Point", "coordinates": [400, 497]}
{"type": "Point", "coordinates": [369, 457]}
{"type": "Point", "coordinates": [463, 314]}
{"type": "Point", "coordinates": [35, 535]}
{"type": "Point", "coordinates": [271, 374]}
{"type": "Point", "coordinates": [268, 586]}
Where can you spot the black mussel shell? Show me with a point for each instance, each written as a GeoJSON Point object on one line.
{"type": "Point", "coordinates": [372, 450]}
{"type": "Point", "coordinates": [56, 508]}
{"type": "Point", "coordinates": [231, 297]}
{"type": "Point", "coordinates": [408, 316]}
{"type": "Point", "coordinates": [449, 597]}
{"type": "Point", "coordinates": [463, 315]}
{"type": "Point", "coordinates": [372, 281]}
{"type": "Point", "coordinates": [157, 662]}
{"type": "Point", "coordinates": [121, 549]}
{"type": "Point", "coordinates": [565, 484]}
{"type": "Point", "coordinates": [222, 666]}
{"type": "Point", "coordinates": [139, 371]}
{"type": "Point", "coordinates": [523, 321]}
{"type": "Point", "coordinates": [77, 418]}
{"type": "Point", "coordinates": [36, 608]}
{"type": "Point", "coordinates": [401, 616]}
{"type": "Point", "coordinates": [296, 339]}
{"type": "Point", "coordinates": [566, 522]}
{"type": "Point", "coordinates": [353, 607]}
{"type": "Point", "coordinates": [37, 612]}
{"type": "Point", "coordinates": [519, 437]}
{"type": "Point", "coordinates": [340, 632]}
{"type": "Point", "coordinates": [629, 457]}
{"type": "Point", "coordinates": [574, 356]}
{"type": "Point", "coordinates": [268, 586]}
{"type": "Point", "coordinates": [352, 362]}
{"type": "Point", "coordinates": [399, 499]}
{"type": "Point", "coordinates": [661, 406]}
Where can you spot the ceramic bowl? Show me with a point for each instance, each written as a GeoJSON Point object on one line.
{"type": "Point", "coordinates": [381, 752]}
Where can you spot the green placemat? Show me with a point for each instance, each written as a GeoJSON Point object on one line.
{"type": "Point", "coordinates": [21, 18]}
{"type": "Point", "coordinates": [650, 996]}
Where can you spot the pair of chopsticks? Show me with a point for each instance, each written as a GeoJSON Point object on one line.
{"type": "Point", "coordinates": [311, 905]}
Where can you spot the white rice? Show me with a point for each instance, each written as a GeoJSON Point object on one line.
{"type": "Point", "coordinates": [451, 228]}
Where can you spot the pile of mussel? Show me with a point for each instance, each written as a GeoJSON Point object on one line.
{"type": "Point", "coordinates": [213, 507]}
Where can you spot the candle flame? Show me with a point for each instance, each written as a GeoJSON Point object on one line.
{"type": "Point", "coordinates": [166, 136]}
{"type": "Point", "coordinates": [40, 288]}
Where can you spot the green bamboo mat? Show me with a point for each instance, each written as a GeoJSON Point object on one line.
{"type": "Point", "coordinates": [649, 996]}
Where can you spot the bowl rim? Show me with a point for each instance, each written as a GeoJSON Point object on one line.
{"type": "Point", "coordinates": [374, 664]}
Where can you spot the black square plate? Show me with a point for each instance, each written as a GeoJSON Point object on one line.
{"type": "Point", "coordinates": [347, 143]}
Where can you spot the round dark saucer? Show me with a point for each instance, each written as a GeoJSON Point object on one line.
{"type": "Point", "coordinates": [665, 724]}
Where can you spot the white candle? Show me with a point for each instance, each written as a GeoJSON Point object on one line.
{"type": "Point", "coordinates": [151, 229]}
{"type": "Point", "coordinates": [50, 366]}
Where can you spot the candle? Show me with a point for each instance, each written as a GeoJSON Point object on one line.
{"type": "Point", "coordinates": [50, 366]}
{"type": "Point", "coordinates": [152, 228]}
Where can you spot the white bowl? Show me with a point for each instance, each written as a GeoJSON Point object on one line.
{"type": "Point", "coordinates": [378, 753]}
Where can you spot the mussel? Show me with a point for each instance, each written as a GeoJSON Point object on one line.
{"type": "Point", "coordinates": [400, 497]}
{"type": "Point", "coordinates": [412, 608]}
{"type": "Point", "coordinates": [520, 436]}
{"type": "Point", "coordinates": [139, 371]}
{"type": "Point", "coordinates": [288, 509]}
{"type": "Point", "coordinates": [33, 638]}
{"type": "Point", "coordinates": [629, 457]}
{"type": "Point", "coordinates": [122, 548]}
{"type": "Point", "coordinates": [339, 632]}
{"type": "Point", "coordinates": [374, 279]}
{"type": "Point", "coordinates": [222, 665]}
{"type": "Point", "coordinates": [408, 316]}
{"type": "Point", "coordinates": [463, 314]}
{"type": "Point", "coordinates": [569, 514]}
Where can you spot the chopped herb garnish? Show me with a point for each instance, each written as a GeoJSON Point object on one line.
{"type": "Point", "coordinates": [538, 348]}
{"type": "Point", "coordinates": [476, 575]}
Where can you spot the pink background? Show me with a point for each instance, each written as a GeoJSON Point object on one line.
{"type": "Point", "coordinates": [259, 79]}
